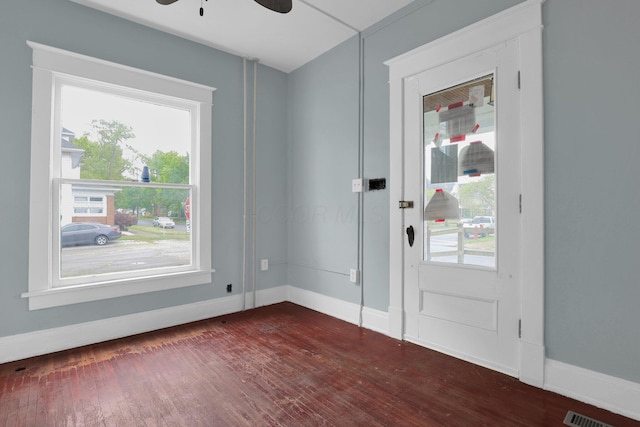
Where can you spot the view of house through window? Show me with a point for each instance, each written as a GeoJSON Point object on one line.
{"type": "Point", "coordinates": [114, 216]}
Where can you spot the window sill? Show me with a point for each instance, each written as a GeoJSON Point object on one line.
{"type": "Point", "coordinates": [56, 297]}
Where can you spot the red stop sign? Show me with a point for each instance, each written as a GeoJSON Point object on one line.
{"type": "Point", "coordinates": [187, 208]}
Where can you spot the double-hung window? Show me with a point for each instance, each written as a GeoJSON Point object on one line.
{"type": "Point", "coordinates": [120, 199]}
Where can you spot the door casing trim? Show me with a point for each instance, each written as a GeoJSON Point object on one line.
{"type": "Point", "coordinates": [524, 24]}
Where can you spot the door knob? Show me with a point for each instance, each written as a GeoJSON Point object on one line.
{"type": "Point", "coordinates": [411, 235]}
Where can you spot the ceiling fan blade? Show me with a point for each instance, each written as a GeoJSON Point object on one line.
{"type": "Point", "coordinates": [166, 2]}
{"type": "Point", "coordinates": [280, 6]}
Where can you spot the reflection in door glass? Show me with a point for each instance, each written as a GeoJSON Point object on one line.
{"type": "Point", "coordinates": [459, 174]}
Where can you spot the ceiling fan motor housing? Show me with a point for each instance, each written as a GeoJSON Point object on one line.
{"type": "Point", "coordinates": [280, 6]}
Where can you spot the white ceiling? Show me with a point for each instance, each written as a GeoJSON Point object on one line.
{"type": "Point", "coordinates": [244, 28]}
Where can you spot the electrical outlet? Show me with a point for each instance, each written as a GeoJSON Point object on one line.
{"type": "Point", "coordinates": [264, 264]}
{"type": "Point", "coordinates": [229, 286]}
{"type": "Point", "coordinates": [354, 277]}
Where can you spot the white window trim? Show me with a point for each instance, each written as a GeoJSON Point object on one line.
{"type": "Point", "coordinates": [51, 63]}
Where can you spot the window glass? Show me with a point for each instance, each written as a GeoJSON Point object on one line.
{"type": "Point", "coordinates": [106, 136]}
{"type": "Point", "coordinates": [109, 137]}
{"type": "Point", "coordinates": [459, 174]}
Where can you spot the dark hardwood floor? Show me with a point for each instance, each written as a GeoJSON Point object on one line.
{"type": "Point", "coordinates": [281, 365]}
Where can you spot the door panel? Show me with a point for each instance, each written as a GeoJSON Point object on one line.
{"type": "Point", "coordinates": [462, 157]}
{"type": "Point", "coordinates": [476, 312]}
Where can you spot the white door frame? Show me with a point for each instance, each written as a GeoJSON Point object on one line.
{"type": "Point", "coordinates": [524, 24]}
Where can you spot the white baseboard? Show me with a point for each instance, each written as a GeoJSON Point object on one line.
{"type": "Point", "coordinates": [342, 310]}
{"type": "Point", "coordinates": [45, 341]}
{"type": "Point", "coordinates": [372, 319]}
{"type": "Point", "coordinates": [532, 363]}
{"type": "Point", "coordinates": [266, 297]}
{"type": "Point", "coordinates": [375, 320]}
{"type": "Point", "coordinates": [604, 391]}
{"type": "Point", "coordinates": [22, 346]}
{"type": "Point", "coordinates": [396, 325]}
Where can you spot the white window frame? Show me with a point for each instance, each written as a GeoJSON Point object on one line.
{"type": "Point", "coordinates": [51, 66]}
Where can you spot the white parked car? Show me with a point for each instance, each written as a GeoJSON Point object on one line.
{"type": "Point", "coordinates": [480, 225]}
{"type": "Point", "coordinates": [164, 222]}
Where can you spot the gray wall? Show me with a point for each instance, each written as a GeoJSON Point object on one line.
{"type": "Point", "coordinates": [308, 152]}
{"type": "Point", "coordinates": [592, 147]}
{"type": "Point", "coordinates": [324, 149]}
{"type": "Point", "coordinates": [591, 109]}
{"type": "Point", "coordinates": [323, 153]}
{"type": "Point", "coordinates": [67, 25]}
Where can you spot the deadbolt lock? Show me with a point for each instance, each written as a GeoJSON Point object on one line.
{"type": "Point", "coordinates": [405, 204]}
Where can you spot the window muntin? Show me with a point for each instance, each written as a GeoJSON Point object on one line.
{"type": "Point", "coordinates": [53, 70]}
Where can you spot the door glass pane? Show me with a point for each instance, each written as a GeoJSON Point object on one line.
{"type": "Point", "coordinates": [459, 174]}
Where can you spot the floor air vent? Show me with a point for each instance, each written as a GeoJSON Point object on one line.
{"type": "Point", "coordinates": [576, 420]}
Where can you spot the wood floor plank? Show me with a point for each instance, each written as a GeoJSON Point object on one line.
{"type": "Point", "coordinates": [281, 365]}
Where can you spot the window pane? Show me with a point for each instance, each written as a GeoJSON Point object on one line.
{"type": "Point", "coordinates": [106, 136]}
{"type": "Point", "coordinates": [126, 239]}
{"type": "Point", "coordinates": [459, 175]}
{"type": "Point", "coordinates": [110, 137]}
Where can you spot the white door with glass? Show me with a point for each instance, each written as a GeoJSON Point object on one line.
{"type": "Point", "coordinates": [462, 171]}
